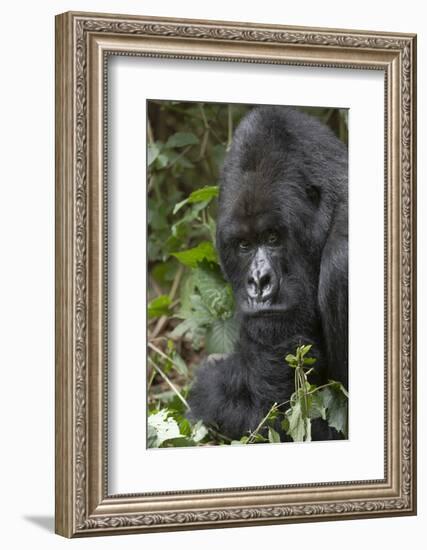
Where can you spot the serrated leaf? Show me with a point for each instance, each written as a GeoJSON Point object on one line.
{"type": "Point", "coordinates": [159, 306]}
{"type": "Point", "coordinates": [317, 406]}
{"type": "Point", "coordinates": [182, 139]}
{"type": "Point", "coordinates": [215, 292]}
{"type": "Point", "coordinates": [299, 428]}
{"type": "Point", "coordinates": [336, 404]}
{"type": "Point", "coordinates": [221, 336]}
{"type": "Point", "coordinates": [273, 436]}
{"type": "Point", "coordinates": [161, 427]}
{"type": "Point", "coordinates": [192, 256]}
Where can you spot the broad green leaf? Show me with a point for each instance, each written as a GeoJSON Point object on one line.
{"type": "Point", "coordinates": [182, 139]}
{"type": "Point", "coordinates": [192, 256]}
{"type": "Point", "coordinates": [205, 194]}
{"type": "Point", "coordinates": [191, 215]}
{"type": "Point", "coordinates": [309, 360]}
{"type": "Point", "coordinates": [299, 428]}
{"type": "Point", "coordinates": [196, 318]}
{"type": "Point", "coordinates": [161, 427]}
{"type": "Point", "coordinates": [317, 406]}
{"type": "Point", "coordinates": [164, 272]}
{"type": "Point", "coordinates": [273, 436]}
{"type": "Point", "coordinates": [184, 427]}
{"type": "Point", "coordinates": [159, 306]}
{"type": "Point", "coordinates": [221, 336]}
{"type": "Point", "coordinates": [215, 292]}
{"type": "Point", "coordinates": [336, 403]}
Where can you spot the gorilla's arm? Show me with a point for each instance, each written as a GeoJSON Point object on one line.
{"type": "Point", "coordinates": [224, 396]}
{"type": "Point", "coordinates": [221, 397]}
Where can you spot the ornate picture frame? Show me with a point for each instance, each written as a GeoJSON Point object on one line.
{"type": "Point", "coordinates": [84, 42]}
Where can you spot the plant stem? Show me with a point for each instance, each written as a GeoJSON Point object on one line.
{"type": "Point", "coordinates": [162, 354]}
{"type": "Point", "coordinates": [163, 320]}
{"type": "Point", "coordinates": [261, 424]}
{"type": "Point", "coordinates": [168, 381]}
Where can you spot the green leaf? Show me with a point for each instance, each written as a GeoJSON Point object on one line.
{"type": "Point", "coordinates": [215, 292]}
{"type": "Point", "coordinates": [205, 194]}
{"type": "Point", "coordinates": [317, 406]}
{"type": "Point", "coordinates": [336, 402]}
{"type": "Point", "coordinates": [273, 436]}
{"type": "Point", "coordinates": [182, 139]}
{"type": "Point", "coordinates": [309, 360]}
{"type": "Point", "coordinates": [179, 364]}
{"type": "Point", "coordinates": [152, 153]}
{"type": "Point", "coordinates": [292, 360]}
{"type": "Point", "coordinates": [159, 306]}
{"type": "Point", "coordinates": [221, 336]}
{"type": "Point", "coordinates": [304, 350]}
{"type": "Point", "coordinates": [299, 428]}
{"type": "Point", "coordinates": [189, 217]}
{"type": "Point", "coordinates": [161, 427]}
{"type": "Point", "coordinates": [162, 160]}
{"type": "Point", "coordinates": [184, 427]}
{"type": "Point", "coordinates": [192, 256]}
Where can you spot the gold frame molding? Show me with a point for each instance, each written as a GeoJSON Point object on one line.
{"type": "Point", "coordinates": [83, 43]}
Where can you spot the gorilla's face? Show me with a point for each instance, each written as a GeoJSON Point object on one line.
{"type": "Point", "coordinates": [269, 255]}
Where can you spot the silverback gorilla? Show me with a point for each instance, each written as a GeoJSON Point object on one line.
{"type": "Point", "coordinates": [282, 238]}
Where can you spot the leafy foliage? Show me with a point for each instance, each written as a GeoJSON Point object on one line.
{"type": "Point", "coordinates": [190, 305]}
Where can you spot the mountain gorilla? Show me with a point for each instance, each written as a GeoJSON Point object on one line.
{"type": "Point", "coordinates": [282, 240]}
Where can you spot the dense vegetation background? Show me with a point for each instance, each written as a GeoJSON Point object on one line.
{"type": "Point", "coordinates": [190, 307]}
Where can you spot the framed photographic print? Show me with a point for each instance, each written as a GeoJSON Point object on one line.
{"type": "Point", "coordinates": [235, 274]}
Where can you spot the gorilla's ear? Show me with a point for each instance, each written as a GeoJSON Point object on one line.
{"type": "Point", "coordinates": [333, 296]}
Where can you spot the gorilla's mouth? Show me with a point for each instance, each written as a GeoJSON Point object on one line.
{"type": "Point", "coordinates": [260, 309]}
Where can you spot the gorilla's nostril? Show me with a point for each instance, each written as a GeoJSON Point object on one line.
{"type": "Point", "coordinates": [264, 282]}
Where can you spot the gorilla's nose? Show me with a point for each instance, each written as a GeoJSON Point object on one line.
{"type": "Point", "coordinates": [261, 282]}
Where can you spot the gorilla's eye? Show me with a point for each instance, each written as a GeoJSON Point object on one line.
{"type": "Point", "coordinates": [244, 245]}
{"type": "Point", "coordinates": [272, 238]}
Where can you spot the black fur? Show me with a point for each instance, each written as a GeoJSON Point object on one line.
{"type": "Point", "coordinates": [285, 173]}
